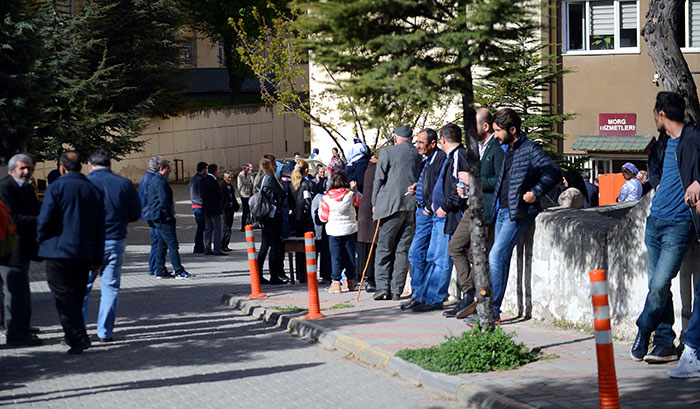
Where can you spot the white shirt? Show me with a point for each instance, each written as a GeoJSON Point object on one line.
{"type": "Point", "coordinates": [482, 146]}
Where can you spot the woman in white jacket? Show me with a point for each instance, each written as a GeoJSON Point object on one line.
{"type": "Point", "coordinates": [338, 211]}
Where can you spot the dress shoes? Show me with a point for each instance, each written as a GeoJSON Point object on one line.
{"type": "Point", "coordinates": [29, 340]}
{"type": "Point", "coordinates": [79, 347]}
{"type": "Point", "coordinates": [409, 304]}
{"type": "Point", "coordinates": [370, 287]}
{"type": "Point", "coordinates": [381, 295]}
{"type": "Point", "coordinates": [423, 307]}
{"type": "Point", "coordinates": [264, 280]}
{"type": "Point", "coordinates": [208, 253]}
{"type": "Point", "coordinates": [226, 249]}
{"type": "Point", "coordinates": [221, 253]}
{"type": "Point", "coordinates": [278, 281]}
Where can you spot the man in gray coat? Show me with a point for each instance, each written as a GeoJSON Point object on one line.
{"type": "Point", "coordinates": [397, 169]}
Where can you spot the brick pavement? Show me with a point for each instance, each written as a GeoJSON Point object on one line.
{"type": "Point", "coordinates": [568, 379]}
{"type": "Point", "coordinates": [177, 346]}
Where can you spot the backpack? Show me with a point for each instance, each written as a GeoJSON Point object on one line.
{"type": "Point", "coordinates": [8, 231]}
{"type": "Point", "coordinates": [260, 206]}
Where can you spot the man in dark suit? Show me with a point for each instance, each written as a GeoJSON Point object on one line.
{"type": "Point", "coordinates": [122, 205]}
{"type": "Point", "coordinates": [143, 197]}
{"type": "Point", "coordinates": [231, 206]}
{"type": "Point", "coordinates": [212, 210]}
{"type": "Point", "coordinates": [71, 237]}
{"type": "Point", "coordinates": [491, 156]}
{"type": "Point", "coordinates": [397, 169]}
{"type": "Point", "coordinates": [19, 196]}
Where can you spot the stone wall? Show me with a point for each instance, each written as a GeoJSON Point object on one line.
{"type": "Point", "coordinates": [549, 270]}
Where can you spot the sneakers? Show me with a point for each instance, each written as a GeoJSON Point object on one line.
{"type": "Point", "coordinates": [640, 347]}
{"type": "Point", "coordinates": [688, 365]}
{"type": "Point", "coordinates": [661, 354]}
{"type": "Point", "coordinates": [184, 276]}
{"type": "Point", "coordinates": [334, 288]}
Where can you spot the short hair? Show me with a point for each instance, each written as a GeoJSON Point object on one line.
{"type": "Point", "coordinates": [451, 133]}
{"type": "Point", "coordinates": [430, 133]}
{"type": "Point", "coordinates": [506, 118]}
{"type": "Point", "coordinates": [486, 115]}
{"type": "Point", "coordinates": [338, 180]}
{"type": "Point", "coordinates": [212, 168]}
{"type": "Point", "coordinates": [319, 166]}
{"type": "Point", "coordinates": [164, 163]}
{"type": "Point", "coordinates": [153, 162]}
{"type": "Point", "coordinates": [244, 166]}
{"type": "Point", "coordinates": [672, 104]}
{"type": "Point", "coordinates": [71, 165]}
{"type": "Point", "coordinates": [227, 173]}
{"type": "Point", "coordinates": [20, 157]}
{"type": "Point", "coordinates": [99, 157]}
{"type": "Point", "coordinates": [297, 153]}
{"type": "Point", "coordinates": [201, 166]}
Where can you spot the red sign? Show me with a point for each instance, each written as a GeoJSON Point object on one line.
{"type": "Point", "coordinates": [617, 124]}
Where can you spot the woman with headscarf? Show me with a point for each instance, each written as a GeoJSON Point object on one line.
{"type": "Point", "coordinates": [575, 195]}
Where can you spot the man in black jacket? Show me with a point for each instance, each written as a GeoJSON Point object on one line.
{"type": "Point", "coordinates": [228, 193]}
{"type": "Point", "coordinates": [212, 210]}
{"type": "Point", "coordinates": [19, 196]}
{"type": "Point", "coordinates": [527, 174]}
{"type": "Point", "coordinates": [433, 160]}
{"type": "Point", "coordinates": [670, 231]}
{"type": "Point", "coordinates": [448, 206]}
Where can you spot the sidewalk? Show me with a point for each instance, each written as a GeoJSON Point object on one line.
{"type": "Point", "coordinates": [375, 330]}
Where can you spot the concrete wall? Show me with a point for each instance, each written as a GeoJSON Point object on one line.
{"type": "Point", "coordinates": [227, 136]}
{"type": "Point", "coordinates": [552, 263]}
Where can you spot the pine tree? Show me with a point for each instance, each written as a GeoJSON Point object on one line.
{"type": "Point", "coordinates": [419, 51]}
{"type": "Point", "coordinates": [20, 87]}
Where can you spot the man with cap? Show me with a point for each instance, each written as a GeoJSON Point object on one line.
{"type": "Point", "coordinates": [632, 189]}
{"type": "Point", "coordinates": [397, 169]}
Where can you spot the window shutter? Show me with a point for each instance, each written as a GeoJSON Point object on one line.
{"type": "Point", "coordinates": [628, 12]}
{"type": "Point", "coordinates": [603, 18]}
{"type": "Point", "coordinates": [694, 14]}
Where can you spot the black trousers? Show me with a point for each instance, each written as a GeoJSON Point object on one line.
{"type": "Point", "coordinates": [245, 217]}
{"type": "Point", "coordinates": [226, 228]}
{"type": "Point", "coordinates": [17, 301]}
{"type": "Point", "coordinates": [68, 280]}
{"type": "Point", "coordinates": [362, 254]}
{"type": "Point", "coordinates": [325, 263]}
{"type": "Point", "coordinates": [272, 241]}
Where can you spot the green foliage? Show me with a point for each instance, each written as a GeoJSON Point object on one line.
{"type": "Point", "coordinates": [21, 88]}
{"type": "Point", "coordinates": [339, 306]}
{"type": "Point", "coordinates": [211, 18]}
{"type": "Point", "coordinates": [473, 351]}
{"type": "Point", "coordinates": [521, 83]}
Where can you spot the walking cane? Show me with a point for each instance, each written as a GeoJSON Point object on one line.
{"type": "Point", "coordinates": [369, 257]}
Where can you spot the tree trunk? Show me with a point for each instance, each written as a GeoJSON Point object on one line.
{"type": "Point", "coordinates": [477, 226]}
{"type": "Point", "coordinates": [234, 79]}
{"type": "Point", "coordinates": [659, 35]}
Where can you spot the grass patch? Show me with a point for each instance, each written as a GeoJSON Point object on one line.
{"type": "Point", "coordinates": [565, 324]}
{"type": "Point", "coordinates": [338, 306]}
{"type": "Point", "coordinates": [473, 351]}
{"type": "Point", "coordinates": [288, 308]}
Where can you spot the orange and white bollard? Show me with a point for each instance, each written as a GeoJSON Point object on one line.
{"type": "Point", "coordinates": [608, 395]}
{"type": "Point", "coordinates": [255, 291]}
{"type": "Point", "coordinates": [311, 278]}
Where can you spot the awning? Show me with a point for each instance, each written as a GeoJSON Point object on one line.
{"type": "Point", "coordinates": [611, 143]}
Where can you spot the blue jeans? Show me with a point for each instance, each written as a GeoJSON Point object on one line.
{"type": "Point", "coordinates": [154, 248]}
{"type": "Point", "coordinates": [438, 267]}
{"type": "Point", "coordinates": [692, 333]}
{"type": "Point", "coordinates": [342, 256]}
{"type": "Point", "coordinates": [168, 243]}
{"type": "Point", "coordinates": [506, 237]}
{"type": "Point", "coordinates": [199, 233]}
{"type": "Point", "coordinates": [418, 251]}
{"type": "Point", "coordinates": [109, 287]}
{"type": "Point", "coordinates": [667, 242]}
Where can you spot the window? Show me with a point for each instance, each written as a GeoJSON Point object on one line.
{"type": "Point", "coordinates": [610, 26]}
{"type": "Point", "coordinates": [688, 34]}
{"type": "Point", "coordinates": [189, 52]}
{"type": "Point", "coordinates": [222, 55]}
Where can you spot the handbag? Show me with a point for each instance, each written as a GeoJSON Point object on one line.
{"type": "Point", "coordinates": [260, 206]}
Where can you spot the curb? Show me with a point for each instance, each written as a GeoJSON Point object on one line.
{"type": "Point", "coordinates": [473, 395]}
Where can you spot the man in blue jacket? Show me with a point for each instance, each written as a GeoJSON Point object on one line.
{"type": "Point", "coordinates": [527, 174]}
{"type": "Point", "coordinates": [71, 237]}
{"type": "Point", "coordinates": [143, 197]}
{"type": "Point", "coordinates": [161, 210]}
{"type": "Point", "coordinates": [122, 205]}
{"type": "Point", "coordinates": [671, 226]}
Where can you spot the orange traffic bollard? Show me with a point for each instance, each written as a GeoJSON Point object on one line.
{"type": "Point", "coordinates": [255, 291]}
{"type": "Point", "coordinates": [608, 395]}
{"type": "Point", "coordinates": [311, 279]}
